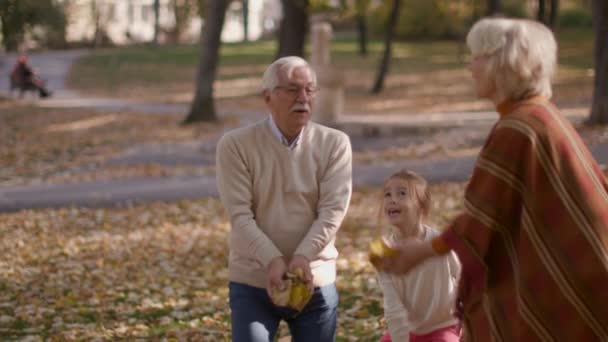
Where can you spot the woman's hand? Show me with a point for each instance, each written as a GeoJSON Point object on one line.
{"type": "Point", "coordinates": [411, 252]}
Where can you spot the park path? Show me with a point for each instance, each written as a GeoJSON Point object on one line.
{"type": "Point", "coordinates": [54, 66]}
{"type": "Point", "coordinates": [367, 132]}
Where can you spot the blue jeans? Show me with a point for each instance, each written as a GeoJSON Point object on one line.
{"type": "Point", "coordinates": [256, 319]}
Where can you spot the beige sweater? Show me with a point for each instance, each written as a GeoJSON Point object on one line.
{"type": "Point", "coordinates": [424, 299]}
{"type": "Point", "coordinates": [283, 202]}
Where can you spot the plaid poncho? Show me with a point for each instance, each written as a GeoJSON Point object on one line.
{"type": "Point", "coordinates": [533, 240]}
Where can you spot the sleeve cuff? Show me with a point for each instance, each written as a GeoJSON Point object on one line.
{"type": "Point", "coordinates": [439, 246]}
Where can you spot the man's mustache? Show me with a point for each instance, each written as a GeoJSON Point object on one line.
{"type": "Point", "coordinates": [300, 106]}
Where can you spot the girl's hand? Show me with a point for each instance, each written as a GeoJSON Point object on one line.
{"type": "Point", "coordinates": [411, 252]}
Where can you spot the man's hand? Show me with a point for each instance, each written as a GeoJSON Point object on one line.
{"type": "Point", "coordinates": [301, 262]}
{"type": "Point", "coordinates": [411, 253]}
{"type": "Point", "coordinates": [276, 270]}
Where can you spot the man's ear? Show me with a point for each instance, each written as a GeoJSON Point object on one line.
{"type": "Point", "coordinates": [266, 95]}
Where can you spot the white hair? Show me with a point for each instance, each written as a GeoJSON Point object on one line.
{"type": "Point", "coordinates": [288, 65]}
{"type": "Point", "coordinates": [522, 55]}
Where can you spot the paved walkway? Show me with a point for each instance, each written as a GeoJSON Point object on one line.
{"type": "Point", "coordinates": [367, 132]}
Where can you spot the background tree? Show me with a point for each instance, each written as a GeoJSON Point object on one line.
{"type": "Point", "coordinates": [361, 8]}
{"type": "Point", "coordinates": [44, 20]}
{"type": "Point", "coordinates": [293, 28]}
{"type": "Point", "coordinates": [156, 23]}
{"type": "Point", "coordinates": [388, 44]}
{"type": "Point", "coordinates": [540, 11]}
{"type": "Point", "coordinates": [14, 15]}
{"type": "Point", "coordinates": [245, 20]}
{"type": "Point", "coordinates": [494, 7]}
{"type": "Point", "coordinates": [203, 105]}
{"type": "Point", "coordinates": [101, 17]}
{"type": "Point", "coordinates": [183, 10]}
{"type": "Point", "coordinates": [548, 18]}
{"type": "Point", "coordinates": [599, 107]}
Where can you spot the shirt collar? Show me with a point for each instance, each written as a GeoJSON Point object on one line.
{"type": "Point", "coordinates": [280, 137]}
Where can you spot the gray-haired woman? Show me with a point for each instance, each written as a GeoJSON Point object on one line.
{"type": "Point", "coordinates": [533, 238]}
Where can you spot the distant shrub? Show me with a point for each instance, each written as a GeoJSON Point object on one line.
{"type": "Point", "coordinates": [514, 9]}
{"type": "Point", "coordinates": [437, 19]}
{"type": "Point", "coordinates": [424, 19]}
{"type": "Point", "coordinates": [575, 17]}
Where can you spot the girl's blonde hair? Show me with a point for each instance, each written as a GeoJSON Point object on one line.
{"type": "Point", "coordinates": [522, 55]}
{"type": "Point", "coordinates": [417, 185]}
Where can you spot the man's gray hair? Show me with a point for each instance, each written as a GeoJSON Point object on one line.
{"type": "Point", "coordinates": [288, 65]}
{"type": "Point", "coordinates": [522, 55]}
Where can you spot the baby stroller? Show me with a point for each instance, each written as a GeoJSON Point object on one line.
{"type": "Point", "coordinates": [24, 79]}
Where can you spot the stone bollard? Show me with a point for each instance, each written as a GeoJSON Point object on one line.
{"type": "Point", "coordinates": [320, 38]}
{"type": "Point", "coordinates": [329, 102]}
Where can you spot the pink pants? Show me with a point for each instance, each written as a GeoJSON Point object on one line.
{"type": "Point", "coordinates": [447, 334]}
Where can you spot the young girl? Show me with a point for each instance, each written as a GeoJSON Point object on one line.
{"type": "Point", "coordinates": [419, 306]}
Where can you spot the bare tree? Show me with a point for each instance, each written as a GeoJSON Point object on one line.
{"type": "Point", "coordinates": [183, 10]}
{"type": "Point", "coordinates": [156, 24]}
{"type": "Point", "coordinates": [553, 14]}
{"type": "Point", "coordinates": [245, 20]}
{"type": "Point", "coordinates": [100, 18]}
{"type": "Point", "coordinates": [388, 45]}
{"type": "Point", "coordinates": [293, 29]}
{"type": "Point", "coordinates": [361, 7]}
{"type": "Point", "coordinates": [599, 107]}
{"type": "Point", "coordinates": [548, 18]}
{"type": "Point", "coordinates": [203, 105]}
{"type": "Point", "coordinates": [494, 7]}
{"type": "Point", "coordinates": [541, 11]}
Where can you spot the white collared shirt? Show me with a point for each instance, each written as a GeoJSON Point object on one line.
{"type": "Point", "coordinates": [279, 135]}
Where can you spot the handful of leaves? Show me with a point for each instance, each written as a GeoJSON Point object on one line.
{"type": "Point", "coordinates": [378, 249]}
{"type": "Point", "coordinates": [295, 295]}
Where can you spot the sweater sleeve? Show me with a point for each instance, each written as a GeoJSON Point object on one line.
{"type": "Point", "coordinates": [493, 200]}
{"type": "Point", "coordinates": [335, 189]}
{"type": "Point", "coordinates": [394, 311]}
{"type": "Point", "coordinates": [235, 188]}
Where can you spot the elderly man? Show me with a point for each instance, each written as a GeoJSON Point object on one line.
{"type": "Point", "coordinates": [286, 184]}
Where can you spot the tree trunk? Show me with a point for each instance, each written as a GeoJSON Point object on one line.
{"type": "Point", "coordinates": [156, 15]}
{"type": "Point", "coordinates": [12, 19]}
{"type": "Point", "coordinates": [494, 7]}
{"type": "Point", "coordinates": [245, 20]}
{"type": "Point", "coordinates": [96, 22]}
{"type": "Point", "coordinates": [362, 30]}
{"type": "Point", "coordinates": [540, 14]}
{"type": "Point", "coordinates": [388, 45]}
{"type": "Point", "coordinates": [294, 26]}
{"type": "Point", "coordinates": [554, 14]}
{"type": "Point", "coordinates": [203, 105]}
{"type": "Point", "coordinates": [599, 106]}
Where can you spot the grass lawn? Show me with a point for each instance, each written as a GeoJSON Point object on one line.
{"type": "Point", "coordinates": [424, 76]}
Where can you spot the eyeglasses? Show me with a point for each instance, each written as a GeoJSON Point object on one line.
{"type": "Point", "coordinates": [294, 91]}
